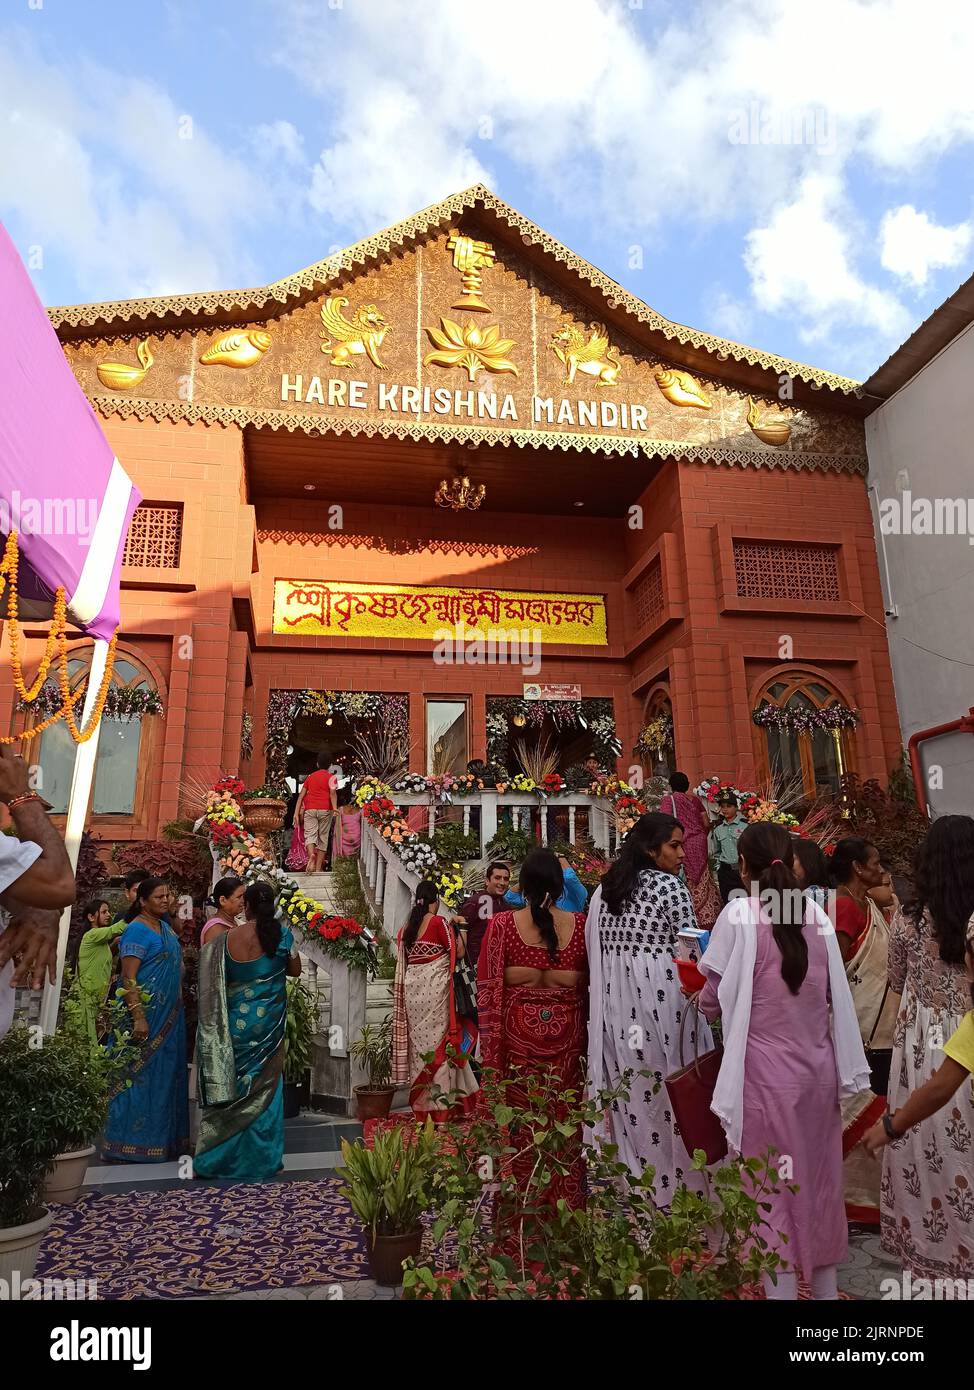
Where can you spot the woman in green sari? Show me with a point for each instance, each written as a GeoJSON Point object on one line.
{"type": "Point", "coordinates": [240, 1044]}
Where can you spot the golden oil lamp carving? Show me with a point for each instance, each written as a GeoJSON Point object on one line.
{"type": "Point", "coordinates": [680, 388]}
{"type": "Point", "coordinates": [470, 258]}
{"type": "Point", "coordinates": [359, 336]}
{"type": "Point", "coordinates": [460, 494]}
{"type": "Point", "coordinates": [770, 430]}
{"type": "Point", "coordinates": [593, 357]}
{"type": "Point", "coordinates": [119, 376]}
{"type": "Point", "coordinates": [471, 347]}
{"type": "Point", "coordinates": [241, 349]}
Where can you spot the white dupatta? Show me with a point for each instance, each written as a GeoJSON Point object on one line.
{"type": "Point", "coordinates": [596, 1015]}
{"type": "Point", "coordinates": [730, 957]}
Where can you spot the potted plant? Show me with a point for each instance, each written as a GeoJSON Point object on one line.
{"type": "Point", "coordinates": [53, 1100]}
{"type": "Point", "coordinates": [373, 1050]}
{"type": "Point", "coordinates": [99, 1070]}
{"type": "Point", "coordinates": [300, 1027]}
{"type": "Point", "coordinates": [387, 1187]}
{"type": "Point", "coordinates": [264, 809]}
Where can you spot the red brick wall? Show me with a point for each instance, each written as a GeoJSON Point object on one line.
{"type": "Point", "coordinates": [191, 625]}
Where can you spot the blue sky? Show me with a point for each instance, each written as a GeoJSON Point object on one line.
{"type": "Point", "coordinates": [796, 176]}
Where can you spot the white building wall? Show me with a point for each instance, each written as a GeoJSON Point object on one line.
{"type": "Point", "coordinates": [920, 445]}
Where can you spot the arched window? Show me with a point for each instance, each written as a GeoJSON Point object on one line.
{"type": "Point", "coordinates": [815, 758]}
{"type": "Point", "coordinates": [120, 742]}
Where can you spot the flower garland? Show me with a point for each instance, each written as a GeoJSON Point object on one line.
{"type": "Point", "coordinates": [247, 737]}
{"type": "Point", "coordinates": [802, 720]}
{"type": "Point", "coordinates": [239, 852]}
{"type": "Point", "coordinates": [120, 702]}
{"type": "Point", "coordinates": [593, 714]}
{"type": "Point", "coordinates": [655, 736]}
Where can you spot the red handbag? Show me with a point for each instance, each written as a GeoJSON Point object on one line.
{"type": "Point", "coordinates": [691, 1089]}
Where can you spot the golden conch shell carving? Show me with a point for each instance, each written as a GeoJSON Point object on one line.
{"type": "Point", "coordinates": [470, 258]}
{"type": "Point", "coordinates": [592, 358]}
{"type": "Point", "coordinates": [240, 349]}
{"type": "Point", "coordinates": [680, 388]}
{"type": "Point", "coordinates": [470, 347]}
{"type": "Point", "coordinates": [771, 431]}
{"type": "Point", "coordinates": [119, 376]}
{"type": "Point", "coordinates": [356, 337]}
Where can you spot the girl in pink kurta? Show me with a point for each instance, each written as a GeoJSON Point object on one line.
{"type": "Point", "coordinates": [781, 1077]}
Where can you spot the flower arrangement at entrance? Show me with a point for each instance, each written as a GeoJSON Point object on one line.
{"type": "Point", "coordinates": [626, 803]}
{"type": "Point", "coordinates": [654, 737]}
{"type": "Point", "coordinates": [284, 706]}
{"type": "Point", "coordinates": [711, 789]}
{"type": "Point", "coordinates": [804, 719]}
{"type": "Point", "coordinates": [506, 714]}
{"type": "Point", "coordinates": [239, 852]}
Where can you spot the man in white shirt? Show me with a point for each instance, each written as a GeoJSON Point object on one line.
{"type": "Point", "coordinates": [36, 882]}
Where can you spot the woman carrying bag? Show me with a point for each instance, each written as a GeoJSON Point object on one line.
{"type": "Point", "coordinates": [792, 1047]}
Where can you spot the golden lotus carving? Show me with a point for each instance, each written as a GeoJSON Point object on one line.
{"type": "Point", "coordinates": [470, 258]}
{"type": "Point", "coordinates": [240, 349]}
{"type": "Point", "coordinates": [680, 388]}
{"type": "Point", "coordinates": [119, 376]}
{"type": "Point", "coordinates": [470, 347]}
{"type": "Point", "coordinates": [591, 358]}
{"type": "Point", "coordinates": [360, 336]}
{"type": "Point", "coordinates": [770, 430]}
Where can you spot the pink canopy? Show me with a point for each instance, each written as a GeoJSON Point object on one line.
{"type": "Point", "coordinates": [61, 487]}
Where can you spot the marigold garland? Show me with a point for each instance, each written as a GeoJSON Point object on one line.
{"type": "Point", "coordinates": [55, 649]}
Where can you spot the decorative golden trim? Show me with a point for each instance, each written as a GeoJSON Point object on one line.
{"type": "Point", "coordinates": [446, 433]}
{"type": "Point", "coordinates": [384, 244]}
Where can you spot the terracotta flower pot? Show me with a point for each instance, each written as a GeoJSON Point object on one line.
{"type": "Point", "coordinates": [262, 814]}
{"type": "Point", "coordinates": [374, 1103]}
{"type": "Point", "coordinates": [19, 1246]}
{"type": "Point", "coordinates": [386, 1254]}
{"type": "Point", "coordinates": [67, 1177]}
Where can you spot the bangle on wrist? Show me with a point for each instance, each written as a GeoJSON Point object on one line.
{"type": "Point", "coordinates": [888, 1126]}
{"type": "Point", "coordinates": [22, 800]}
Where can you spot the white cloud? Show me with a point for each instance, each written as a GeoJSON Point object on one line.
{"type": "Point", "coordinates": [913, 245]}
{"type": "Point", "coordinates": [279, 138]}
{"type": "Point", "coordinates": [801, 263]}
{"type": "Point", "coordinates": [122, 191]}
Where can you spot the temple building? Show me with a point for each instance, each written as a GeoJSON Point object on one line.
{"type": "Point", "coordinates": [455, 485]}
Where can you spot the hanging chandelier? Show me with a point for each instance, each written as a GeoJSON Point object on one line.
{"type": "Point", "coordinates": [460, 494]}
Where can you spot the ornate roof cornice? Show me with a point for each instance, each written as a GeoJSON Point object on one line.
{"type": "Point", "coordinates": [241, 305]}
{"type": "Point", "coordinates": [448, 432]}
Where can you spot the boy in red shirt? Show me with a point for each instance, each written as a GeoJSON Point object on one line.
{"type": "Point", "coordinates": [318, 802]}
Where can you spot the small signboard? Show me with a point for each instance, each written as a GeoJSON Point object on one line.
{"type": "Point", "coordinates": [552, 692]}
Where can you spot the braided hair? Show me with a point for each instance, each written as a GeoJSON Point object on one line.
{"type": "Point", "coordinates": [427, 896]}
{"type": "Point", "coordinates": [542, 883]}
{"type": "Point", "coordinates": [769, 855]}
{"type": "Point", "coordinates": [259, 905]}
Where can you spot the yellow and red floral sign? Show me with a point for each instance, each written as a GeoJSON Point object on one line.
{"type": "Point", "coordinates": [325, 608]}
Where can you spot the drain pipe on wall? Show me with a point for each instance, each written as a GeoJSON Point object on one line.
{"type": "Point", "coordinates": [964, 725]}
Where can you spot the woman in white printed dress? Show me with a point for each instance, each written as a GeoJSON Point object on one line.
{"type": "Point", "coordinates": [636, 1006]}
{"type": "Point", "coordinates": [927, 1194]}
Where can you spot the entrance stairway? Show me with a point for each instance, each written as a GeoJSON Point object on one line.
{"type": "Point", "coordinates": [378, 992]}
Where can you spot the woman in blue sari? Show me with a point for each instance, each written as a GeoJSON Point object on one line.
{"type": "Point", "coordinates": [240, 1044]}
{"type": "Point", "coordinates": [148, 1121]}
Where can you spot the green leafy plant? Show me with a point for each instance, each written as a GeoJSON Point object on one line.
{"type": "Point", "coordinates": [54, 1094]}
{"type": "Point", "coordinates": [388, 1185]}
{"type": "Point", "coordinates": [451, 844]}
{"type": "Point", "coordinates": [894, 825]}
{"type": "Point", "coordinates": [510, 844]}
{"type": "Point", "coordinates": [270, 791]}
{"type": "Point", "coordinates": [300, 1027]}
{"type": "Point", "coordinates": [495, 1240]}
{"type": "Point", "coordinates": [373, 1049]}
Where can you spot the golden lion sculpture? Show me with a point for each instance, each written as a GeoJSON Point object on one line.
{"type": "Point", "coordinates": [357, 337]}
{"type": "Point", "coordinates": [593, 358]}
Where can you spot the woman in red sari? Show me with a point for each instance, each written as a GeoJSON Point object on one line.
{"type": "Point", "coordinates": [424, 1020]}
{"type": "Point", "coordinates": [532, 1003]}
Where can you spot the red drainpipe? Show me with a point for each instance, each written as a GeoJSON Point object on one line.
{"type": "Point", "coordinates": [964, 725]}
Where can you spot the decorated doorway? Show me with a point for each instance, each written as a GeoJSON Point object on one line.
{"type": "Point", "coordinates": [576, 738]}
{"type": "Point", "coordinates": [362, 730]}
{"type": "Point", "coordinates": [804, 732]}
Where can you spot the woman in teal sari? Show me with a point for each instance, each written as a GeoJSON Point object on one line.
{"type": "Point", "coordinates": [240, 1044]}
{"type": "Point", "coordinates": [148, 1121]}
